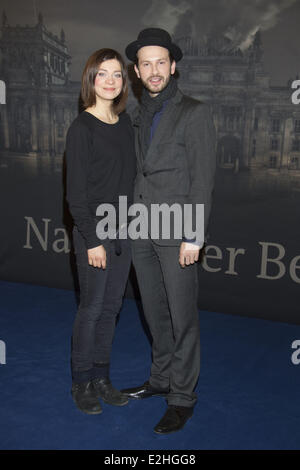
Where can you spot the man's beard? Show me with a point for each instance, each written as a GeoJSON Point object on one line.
{"type": "Point", "coordinates": [153, 89]}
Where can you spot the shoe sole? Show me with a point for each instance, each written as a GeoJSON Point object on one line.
{"type": "Point", "coordinates": [116, 404]}
{"type": "Point", "coordinates": [144, 398]}
{"type": "Point", "coordinates": [113, 404]}
{"type": "Point", "coordinates": [170, 432]}
{"type": "Point", "coordinates": [90, 412]}
{"type": "Point", "coordinates": [98, 412]}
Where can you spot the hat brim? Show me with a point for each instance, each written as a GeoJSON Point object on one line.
{"type": "Point", "coordinates": [134, 46]}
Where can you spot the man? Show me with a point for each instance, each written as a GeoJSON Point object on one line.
{"type": "Point", "coordinates": [175, 145]}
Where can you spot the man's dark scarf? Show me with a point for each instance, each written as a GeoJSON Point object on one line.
{"type": "Point", "coordinates": [151, 106]}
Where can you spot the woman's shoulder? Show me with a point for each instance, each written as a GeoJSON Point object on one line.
{"type": "Point", "coordinates": [125, 117]}
{"type": "Point", "coordinates": [80, 124]}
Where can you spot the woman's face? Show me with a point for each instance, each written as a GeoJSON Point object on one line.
{"type": "Point", "coordinates": [108, 81]}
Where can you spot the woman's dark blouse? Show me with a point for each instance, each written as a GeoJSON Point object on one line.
{"type": "Point", "coordinates": [101, 166]}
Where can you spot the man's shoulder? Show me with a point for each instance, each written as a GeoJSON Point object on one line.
{"type": "Point", "coordinates": [194, 107]}
{"type": "Point", "coordinates": [192, 102]}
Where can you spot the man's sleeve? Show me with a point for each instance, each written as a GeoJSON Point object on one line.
{"type": "Point", "coordinates": [200, 141]}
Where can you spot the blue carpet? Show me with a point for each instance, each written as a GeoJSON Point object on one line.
{"type": "Point", "coordinates": [248, 388]}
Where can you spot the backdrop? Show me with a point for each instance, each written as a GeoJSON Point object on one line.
{"type": "Point", "coordinates": [242, 61]}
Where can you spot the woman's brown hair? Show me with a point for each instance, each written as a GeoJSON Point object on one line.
{"type": "Point", "coordinates": [90, 71]}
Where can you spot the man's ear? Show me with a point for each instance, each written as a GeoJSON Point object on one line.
{"type": "Point", "coordinates": [173, 67]}
{"type": "Point", "coordinates": [137, 70]}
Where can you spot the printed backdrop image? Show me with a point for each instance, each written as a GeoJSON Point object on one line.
{"type": "Point", "coordinates": [244, 61]}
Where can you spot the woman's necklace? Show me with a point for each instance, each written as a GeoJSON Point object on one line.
{"type": "Point", "coordinates": [105, 119]}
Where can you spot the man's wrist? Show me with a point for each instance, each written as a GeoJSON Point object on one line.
{"type": "Point", "coordinates": [193, 241]}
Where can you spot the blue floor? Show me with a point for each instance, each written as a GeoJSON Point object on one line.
{"type": "Point", "coordinates": [248, 388]}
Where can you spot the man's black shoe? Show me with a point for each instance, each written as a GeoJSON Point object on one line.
{"type": "Point", "coordinates": [108, 393]}
{"type": "Point", "coordinates": [174, 419]}
{"type": "Point", "coordinates": [144, 391]}
{"type": "Point", "coordinates": [85, 398]}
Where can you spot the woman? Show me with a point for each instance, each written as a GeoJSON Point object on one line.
{"type": "Point", "coordinates": [100, 167]}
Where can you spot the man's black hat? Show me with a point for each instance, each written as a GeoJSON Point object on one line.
{"type": "Point", "coordinates": [153, 37]}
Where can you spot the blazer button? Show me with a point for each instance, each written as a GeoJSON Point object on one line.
{"type": "Point", "coordinates": [141, 197]}
{"type": "Point", "coordinates": [145, 173]}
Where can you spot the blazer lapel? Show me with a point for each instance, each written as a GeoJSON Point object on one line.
{"type": "Point", "coordinates": [136, 126]}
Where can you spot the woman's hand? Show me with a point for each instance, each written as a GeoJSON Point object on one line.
{"type": "Point", "coordinates": [97, 257]}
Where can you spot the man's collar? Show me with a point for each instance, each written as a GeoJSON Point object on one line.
{"type": "Point", "coordinates": [175, 100]}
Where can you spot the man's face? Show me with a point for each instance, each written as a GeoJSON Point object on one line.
{"type": "Point", "coordinates": [154, 68]}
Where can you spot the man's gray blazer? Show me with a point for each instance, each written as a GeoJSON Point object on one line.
{"type": "Point", "coordinates": [180, 162]}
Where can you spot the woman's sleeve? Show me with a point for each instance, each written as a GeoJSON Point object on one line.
{"type": "Point", "coordinates": [78, 148]}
